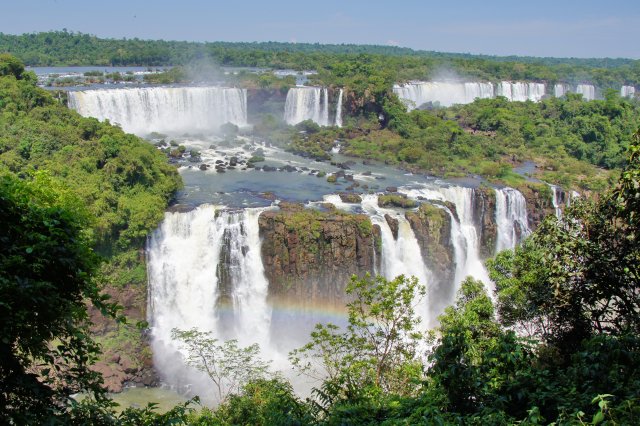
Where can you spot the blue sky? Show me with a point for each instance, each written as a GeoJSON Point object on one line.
{"type": "Point", "coordinates": [564, 28]}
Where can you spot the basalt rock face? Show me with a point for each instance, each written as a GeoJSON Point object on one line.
{"type": "Point", "coordinates": [484, 216]}
{"type": "Point", "coordinates": [310, 255]}
{"type": "Point", "coordinates": [432, 228]}
{"type": "Point", "coordinates": [539, 202]}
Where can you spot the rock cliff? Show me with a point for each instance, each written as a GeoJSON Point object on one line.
{"type": "Point", "coordinates": [310, 255]}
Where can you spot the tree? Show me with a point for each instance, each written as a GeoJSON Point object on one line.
{"type": "Point", "coordinates": [229, 366]}
{"type": "Point", "coordinates": [46, 275]}
{"type": "Point", "coordinates": [378, 351]}
{"type": "Point", "coordinates": [579, 276]}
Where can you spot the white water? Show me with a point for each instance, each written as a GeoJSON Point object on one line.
{"type": "Point", "coordinates": [307, 103]}
{"type": "Point", "coordinates": [521, 91]}
{"type": "Point", "coordinates": [627, 91]}
{"type": "Point", "coordinates": [465, 238]}
{"type": "Point", "coordinates": [171, 110]}
{"type": "Point", "coordinates": [339, 110]}
{"type": "Point", "coordinates": [511, 218]}
{"type": "Point", "coordinates": [560, 89]}
{"type": "Point", "coordinates": [183, 257]}
{"type": "Point", "coordinates": [417, 93]}
{"type": "Point", "coordinates": [401, 255]}
{"type": "Point", "coordinates": [556, 200]}
{"type": "Point", "coordinates": [587, 91]}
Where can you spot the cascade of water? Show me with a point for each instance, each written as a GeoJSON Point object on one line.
{"type": "Point", "coordinates": [511, 218]}
{"type": "Point", "coordinates": [521, 91]}
{"type": "Point", "coordinates": [587, 91]}
{"type": "Point", "coordinates": [559, 90]}
{"type": "Point", "coordinates": [184, 264]}
{"type": "Point", "coordinates": [627, 91]}
{"type": "Point", "coordinates": [401, 255]}
{"type": "Point", "coordinates": [464, 233]}
{"type": "Point", "coordinates": [164, 109]}
{"type": "Point", "coordinates": [556, 200]}
{"type": "Point", "coordinates": [307, 103]}
{"type": "Point", "coordinates": [339, 110]}
{"type": "Point", "coordinates": [417, 93]}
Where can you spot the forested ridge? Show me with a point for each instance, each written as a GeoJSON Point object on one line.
{"type": "Point", "coordinates": [57, 48]}
{"type": "Point", "coordinates": [78, 200]}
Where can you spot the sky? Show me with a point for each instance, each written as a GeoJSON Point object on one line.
{"type": "Point", "coordinates": [561, 28]}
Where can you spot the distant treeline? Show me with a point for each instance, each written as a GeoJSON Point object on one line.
{"type": "Point", "coordinates": [64, 48]}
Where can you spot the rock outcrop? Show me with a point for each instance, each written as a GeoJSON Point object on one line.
{"type": "Point", "coordinates": [432, 228]}
{"type": "Point", "coordinates": [484, 216]}
{"type": "Point", "coordinates": [539, 202]}
{"type": "Point", "coordinates": [310, 255]}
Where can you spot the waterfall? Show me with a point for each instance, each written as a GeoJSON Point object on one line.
{"type": "Point", "coordinates": [417, 93]}
{"type": "Point", "coordinates": [189, 256]}
{"type": "Point", "coordinates": [164, 109]}
{"type": "Point", "coordinates": [511, 218]}
{"type": "Point", "coordinates": [464, 234]}
{"type": "Point", "coordinates": [401, 255]}
{"type": "Point", "coordinates": [627, 91]}
{"type": "Point", "coordinates": [521, 91]}
{"type": "Point", "coordinates": [556, 200]}
{"type": "Point", "coordinates": [587, 91]}
{"type": "Point", "coordinates": [339, 110]}
{"type": "Point", "coordinates": [307, 103]}
{"type": "Point", "coordinates": [559, 90]}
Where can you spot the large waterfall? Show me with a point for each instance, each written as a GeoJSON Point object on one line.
{"type": "Point", "coordinates": [511, 218]}
{"type": "Point", "coordinates": [205, 271]}
{"type": "Point", "coordinates": [418, 93]}
{"type": "Point", "coordinates": [587, 91]}
{"type": "Point", "coordinates": [307, 103]}
{"type": "Point", "coordinates": [164, 109]}
{"type": "Point", "coordinates": [521, 91]}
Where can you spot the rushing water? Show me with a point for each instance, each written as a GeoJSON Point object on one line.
{"type": "Point", "coordinates": [307, 103]}
{"type": "Point", "coordinates": [173, 110]}
{"type": "Point", "coordinates": [418, 93]}
{"type": "Point", "coordinates": [588, 91]}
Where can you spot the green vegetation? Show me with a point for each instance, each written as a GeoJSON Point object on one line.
{"type": "Point", "coordinates": [71, 187]}
{"type": "Point", "coordinates": [396, 200]}
{"type": "Point", "coordinates": [229, 366]}
{"type": "Point", "coordinates": [574, 143]}
{"type": "Point", "coordinates": [362, 66]}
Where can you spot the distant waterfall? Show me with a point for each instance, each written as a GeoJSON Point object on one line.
{"type": "Point", "coordinates": [556, 200]}
{"type": "Point", "coordinates": [627, 91]}
{"type": "Point", "coordinates": [511, 218]}
{"type": "Point", "coordinates": [164, 109]}
{"type": "Point", "coordinates": [587, 91]}
{"type": "Point", "coordinates": [417, 93]}
{"type": "Point", "coordinates": [185, 282]}
{"type": "Point", "coordinates": [560, 89]}
{"type": "Point", "coordinates": [307, 103]}
{"type": "Point", "coordinates": [521, 91]}
{"type": "Point", "coordinates": [339, 110]}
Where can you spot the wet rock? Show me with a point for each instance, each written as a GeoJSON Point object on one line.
{"type": "Point", "coordinates": [309, 255]}
{"type": "Point", "coordinates": [391, 189]}
{"type": "Point", "coordinates": [350, 198]}
{"type": "Point", "coordinates": [393, 225]}
{"type": "Point", "coordinates": [203, 167]}
{"type": "Point", "coordinates": [233, 161]}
